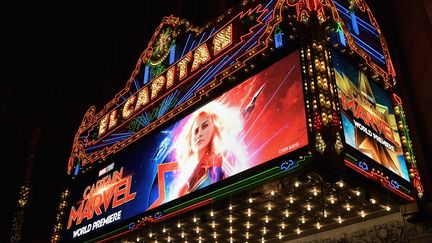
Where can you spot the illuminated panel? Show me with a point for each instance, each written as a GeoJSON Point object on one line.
{"type": "Point", "coordinates": [368, 118]}
{"type": "Point", "coordinates": [259, 120]}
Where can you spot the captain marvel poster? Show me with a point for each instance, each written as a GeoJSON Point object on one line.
{"type": "Point", "coordinates": [258, 120]}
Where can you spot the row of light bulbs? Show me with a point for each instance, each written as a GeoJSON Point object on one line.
{"type": "Point", "coordinates": [267, 219]}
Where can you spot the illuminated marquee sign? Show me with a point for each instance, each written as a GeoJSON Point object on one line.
{"type": "Point", "coordinates": [368, 118]}
{"type": "Point", "coordinates": [213, 55]}
{"type": "Point", "coordinates": [172, 77]}
{"type": "Point", "coordinates": [108, 193]}
{"type": "Point", "coordinates": [244, 130]}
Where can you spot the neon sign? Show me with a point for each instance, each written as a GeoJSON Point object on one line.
{"type": "Point", "coordinates": [175, 74]}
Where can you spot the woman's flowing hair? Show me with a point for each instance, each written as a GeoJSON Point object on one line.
{"type": "Point", "coordinates": [226, 143]}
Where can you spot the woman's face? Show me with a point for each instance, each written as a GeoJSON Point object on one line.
{"type": "Point", "coordinates": [202, 131]}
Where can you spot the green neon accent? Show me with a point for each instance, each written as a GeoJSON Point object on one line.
{"type": "Point", "coordinates": [208, 195]}
{"type": "Point", "coordinates": [406, 189]}
{"type": "Point", "coordinates": [351, 157]}
{"type": "Point", "coordinates": [410, 150]}
{"type": "Point", "coordinates": [103, 236]}
{"type": "Point", "coordinates": [252, 184]}
{"type": "Point", "coordinates": [339, 26]}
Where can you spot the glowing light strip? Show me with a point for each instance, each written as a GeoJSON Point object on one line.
{"type": "Point", "coordinates": [271, 11]}
{"type": "Point", "coordinates": [365, 24]}
{"type": "Point", "coordinates": [216, 192]}
{"type": "Point", "coordinates": [200, 41]}
{"type": "Point", "coordinates": [146, 74]}
{"type": "Point", "coordinates": [165, 105]}
{"type": "Point", "coordinates": [136, 84]}
{"type": "Point", "coordinates": [115, 138]}
{"type": "Point", "coordinates": [192, 46]}
{"type": "Point", "coordinates": [406, 134]}
{"type": "Point", "coordinates": [144, 119]}
{"type": "Point", "coordinates": [184, 48]}
{"type": "Point", "coordinates": [89, 149]}
{"type": "Point", "coordinates": [121, 134]}
{"type": "Point", "coordinates": [266, 6]}
{"type": "Point", "coordinates": [371, 48]}
{"type": "Point", "coordinates": [191, 207]}
{"type": "Point", "coordinates": [211, 32]}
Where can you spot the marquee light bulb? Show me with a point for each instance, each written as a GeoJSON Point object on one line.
{"type": "Point", "coordinates": [250, 200]}
{"type": "Point", "coordinates": [296, 184]}
{"type": "Point", "coordinates": [308, 207]}
{"type": "Point", "coordinates": [358, 193]}
{"type": "Point", "coordinates": [230, 230]}
{"type": "Point", "coordinates": [341, 184]}
{"type": "Point", "coordinates": [388, 208]}
{"type": "Point", "coordinates": [291, 200]}
{"type": "Point", "coordinates": [280, 235]}
{"type": "Point", "coordinates": [211, 213]}
{"type": "Point", "coordinates": [194, 219]}
{"type": "Point", "coordinates": [178, 225]}
{"type": "Point", "coordinates": [230, 207]}
{"type": "Point", "coordinates": [286, 213]}
{"type": "Point", "coordinates": [266, 219]}
{"type": "Point", "coordinates": [318, 225]}
{"type": "Point", "coordinates": [362, 214]}
{"type": "Point", "coordinates": [272, 193]}
{"type": "Point", "coordinates": [298, 230]}
{"type": "Point", "coordinates": [214, 235]}
{"type": "Point", "coordinates": [340, 220]}
{"type": "Point", "coordinates": [283, 225]}
{"type": "Point", "coordinates": [164, 230]}
{"type": "Point", "coordinates": [373, 201]}
{"type": "Point", "coordinates": [247, 225]}
{"type": "Point", "coordinates": [213, 224]}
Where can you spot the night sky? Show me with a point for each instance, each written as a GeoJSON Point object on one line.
{"type": "Point", "coordinates": [58, 60]}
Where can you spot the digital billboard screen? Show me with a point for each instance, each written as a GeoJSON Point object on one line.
{"type": "Point", "coordinates": [258, 120]}
{"type": "Point", "coordinates": [368, 117]}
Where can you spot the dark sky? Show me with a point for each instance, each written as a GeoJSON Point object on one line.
{"type": "Point", "coordinates": [61, 59]}
{"type": "Point", "coordinates": [57, 61]}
